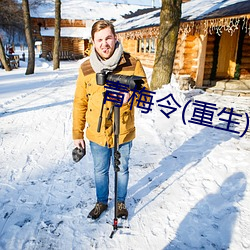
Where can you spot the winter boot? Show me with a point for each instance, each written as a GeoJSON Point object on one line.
{"type": "Point", "coordinates": [97, 210]}
{"type": "Point", "coordinates": [122, 211]}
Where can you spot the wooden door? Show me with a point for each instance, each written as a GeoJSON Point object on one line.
{"type": "Point", "coordinates": [227, 55]}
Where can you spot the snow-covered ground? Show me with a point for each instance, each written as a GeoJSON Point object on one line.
{"type": "Point", "coordinates": [188, 188]}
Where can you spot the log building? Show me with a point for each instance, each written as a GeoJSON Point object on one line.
{"type": "Point", "coordinates": [74, 36]}
{"type": "Point", "coordinates": [212, 45]}
{"type": "Point", "coordinates": [77, 19]}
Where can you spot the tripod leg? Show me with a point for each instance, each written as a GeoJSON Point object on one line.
{"type": "Point", "coordinates": [116, 163]}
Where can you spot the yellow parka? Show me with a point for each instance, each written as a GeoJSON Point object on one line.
{"type": "Point", "coordinates": [88, 102]}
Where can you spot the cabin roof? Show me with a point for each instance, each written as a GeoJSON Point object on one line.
{"type": "Point", "coordinates": [208, 9]}
{"type": "Point", "coordinates": [77, 32]}
{"type": "Point", "coordinates": [140, 21]}
{"type": "Point", "coordinates": [193, 10]}
{"type": "Point", "coordinates": [84, 10]}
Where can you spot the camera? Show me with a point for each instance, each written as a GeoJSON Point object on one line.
{"type": "Point", "coordinates": [78, 153]}
{"type": "Point", "coordinates": [133, 82]}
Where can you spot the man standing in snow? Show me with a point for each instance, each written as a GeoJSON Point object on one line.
{"type": "Point", "coordinates": [107, 54]}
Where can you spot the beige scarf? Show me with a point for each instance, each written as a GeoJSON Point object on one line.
{"type": "Point", "coordinates": [110, 64]}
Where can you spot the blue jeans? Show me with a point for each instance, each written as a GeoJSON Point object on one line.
{"type": "Point", "coordinates": [102, 158]}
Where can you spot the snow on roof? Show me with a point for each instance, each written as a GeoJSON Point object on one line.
{"type": "Point", "coordinates": [198, 9]}
{"type": "Point", "coordinates": [145, 20]}
{"type": "Point", "coordinates": [80, 32]}
{"type": "Point", "coordinates": [85, 10]}
{"type": "Point", "coordinates": [192, 10]}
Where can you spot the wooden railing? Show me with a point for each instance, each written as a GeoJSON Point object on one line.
{"type": "Point", "coordinates": [63, 55]}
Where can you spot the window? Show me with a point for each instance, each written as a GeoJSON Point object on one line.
{"type": "Point", "coordinates": [146, 45]}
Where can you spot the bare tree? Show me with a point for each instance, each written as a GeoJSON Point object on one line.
{"type": "Point", "coordinates": [28, 33]}
{"type": "Point", "coordinates": [56, 59]}
{"type": "Point", "coordinates": [11, 16]}
{"type": "Point", "coordinates": [36, 3]}
{"type": "Point", "coordinates": [11, 24]}
{"type": "Point", "coordinates": [168, 34]}
{"type": "Point", "coordinates": [3, 57]}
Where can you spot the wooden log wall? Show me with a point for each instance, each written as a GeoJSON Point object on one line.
{"type": "Point", "coordinates": [79, 46]}
{"type": "Point", "coordinates": [50, 22]}
{"type": "Point", "coordinates": [131, 46]}
{"type": "Point", "coordinates": [73, 45]}
{"type": "Point", "coordinates": [146, 59]}
{"type": "Point", "coordinates": [209, 58]}
{"type": "Point", "coordinates": [47, 45]}
{"type": "Point", "coordinates": [245, 60]}
{"type": "Point", "coordinates": [190, 56]}
{"type": "Point", "coordinates": [186, 55]}
{"type": "Point", "coordinates": [178, 61]}
{"type": "Point", "coordinates": [66, 44]}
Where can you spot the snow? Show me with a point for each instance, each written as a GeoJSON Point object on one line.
{"type": "Point", "coordinates": [196, 9]}
{"type": "Point", "coordinates": [192, 10]}
{"type": "Point", "coordinates": [156, 3]}
{"type": "Point", "coordinates": [86, 10]}
{"type": "Point", "coordinates": [145, 20]}
{"type": "Point", "coordinates": [84, 33]}
{"type": "Point", "coordinates": [188, 187]}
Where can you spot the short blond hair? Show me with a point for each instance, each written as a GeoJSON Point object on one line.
{"type": "Point", "coordinates": [101, 24]}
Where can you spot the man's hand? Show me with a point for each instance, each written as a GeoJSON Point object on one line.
{"type": "Point", "coordinates": [126, 97]}
{"type": "Point", "coordinates": [115, 97]}
{"type": "Point", "coordinates": [79, 143]}
{"type": "Point", "coordinates": [79, 151]}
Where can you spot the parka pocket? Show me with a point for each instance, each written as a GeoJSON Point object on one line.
{"type": "Point", "coordinates": [126, 119]}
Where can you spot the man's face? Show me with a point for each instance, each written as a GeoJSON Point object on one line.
{"type": "Point", "coordinates": [104, 42]}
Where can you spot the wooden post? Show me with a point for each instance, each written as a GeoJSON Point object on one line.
{"type": "Point", "coordinates": [140, 40]}
{"type": "Point", "coordinates": [149, 45]}
{"type": "Point", "coordinates": [201, 60]}
{"type": "Point", "coordinates": [144, 45]}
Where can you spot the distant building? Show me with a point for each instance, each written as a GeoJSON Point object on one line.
{"type": "Point", "coordinates": [74, 36]}
{"type": "Point", "coordinates": [77, 19]}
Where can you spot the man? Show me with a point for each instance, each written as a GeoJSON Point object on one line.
{"type": "Point", "coordinates": [107, 54]}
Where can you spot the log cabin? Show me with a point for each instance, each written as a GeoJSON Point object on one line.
{"type": "Point", "coordinates": [213, 41]}
{"type": "Point", "coordinates": [77, 19]}
{"type": "Point", "coordinates": [74, 37]}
